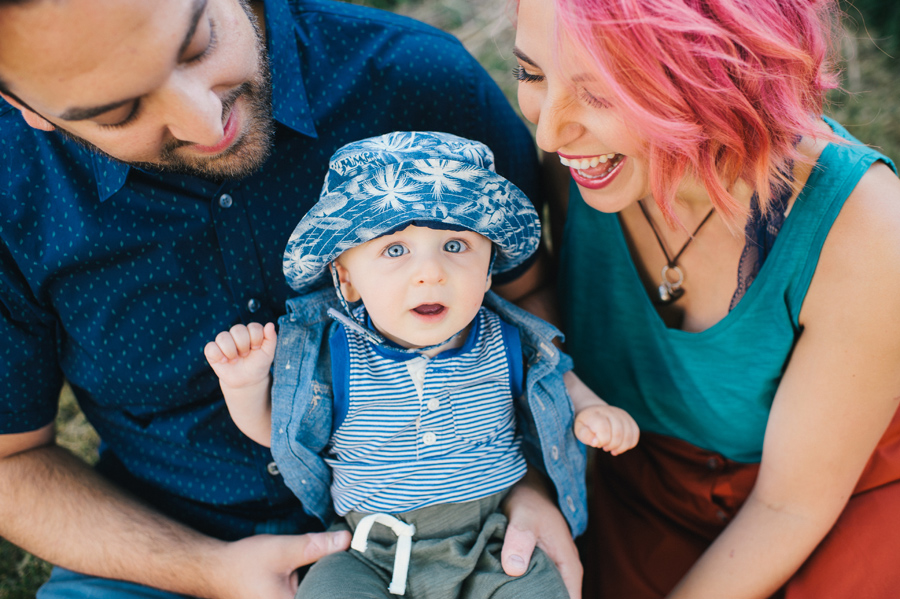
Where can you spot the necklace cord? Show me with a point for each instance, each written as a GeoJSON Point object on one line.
{"type": "Point", "coordinates": [672, 262]}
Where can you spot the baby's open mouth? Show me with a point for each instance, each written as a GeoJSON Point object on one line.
{"type": "Point", "coordinates": [429, 309]}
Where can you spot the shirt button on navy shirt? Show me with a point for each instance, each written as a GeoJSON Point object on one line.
{"type": "Point", "coordinates": [253, 304]}
{"type": "Point", "coordinates": [225, 200]}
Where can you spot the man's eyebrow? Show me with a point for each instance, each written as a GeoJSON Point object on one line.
{"type": "Point", "coordinates": [83, 114]}
{"type": "Point", "coordinates": [199, 7]}
{"type": "Point", "coordinates": [523, 57]}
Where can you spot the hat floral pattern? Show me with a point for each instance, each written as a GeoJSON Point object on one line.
{"type": "Point", "coordinates": [378, 185]}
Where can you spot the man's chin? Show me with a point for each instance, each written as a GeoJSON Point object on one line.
{"type": "Point", "coordinates": [244, 158]}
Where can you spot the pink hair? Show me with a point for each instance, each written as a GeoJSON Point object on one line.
{"type": "Point", "coordinates": [720, 89]}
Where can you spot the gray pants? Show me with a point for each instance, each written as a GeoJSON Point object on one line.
{"type": "Point", "coordinates": [455, 553]}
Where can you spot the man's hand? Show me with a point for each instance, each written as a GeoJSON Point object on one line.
{"type": "Point", "coordinates": [265, 566]}
{"type": "Point", "coordinates": [535, 520]}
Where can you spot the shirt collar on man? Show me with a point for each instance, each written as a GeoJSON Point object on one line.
{"type": "Point", "coordinates": [290, 105]}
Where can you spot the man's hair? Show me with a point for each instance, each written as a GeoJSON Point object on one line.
{"type": "Point", "coordinates": [720, 89]}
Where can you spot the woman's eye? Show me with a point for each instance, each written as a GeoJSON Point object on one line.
{"type": "Point", "coordinates": [522, 75]}
{"type": "Point", "coordinates": [395, 251]}
{"type": "Point", "coordinates": [594, 100]}
{"type": "Point", "coordinates": [454, 246]}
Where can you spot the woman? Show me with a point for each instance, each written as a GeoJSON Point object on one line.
{"type": "Point", "coordinates": [731, 277]}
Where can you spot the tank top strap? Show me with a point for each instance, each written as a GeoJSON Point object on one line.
{"type": "Point", "coordinates": [833, 178]}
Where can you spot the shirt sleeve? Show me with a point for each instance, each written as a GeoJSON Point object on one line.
{"type": "Point", "coordinates": [30, 376]}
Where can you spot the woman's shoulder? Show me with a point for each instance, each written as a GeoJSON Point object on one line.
{"type": "Point", "coordinates": [861, 254]}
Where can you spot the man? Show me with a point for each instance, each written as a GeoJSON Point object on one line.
{"type": "Point", "coordinates": [155, 157]}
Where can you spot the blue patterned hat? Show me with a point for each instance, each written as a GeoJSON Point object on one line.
{"type": "Point", "coordinates": [378, 185]}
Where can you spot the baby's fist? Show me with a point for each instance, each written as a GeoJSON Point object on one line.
{"type": "Point", "coordinates": [608, 428]}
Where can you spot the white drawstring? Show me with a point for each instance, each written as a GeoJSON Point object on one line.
{"type": "Point", "coordinates": [404, 534]}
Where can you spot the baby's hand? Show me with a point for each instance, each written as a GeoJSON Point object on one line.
{"type": "Point", "coordinates": [242, 356]}
{"type": "Point", "coordinates": [606, 427]}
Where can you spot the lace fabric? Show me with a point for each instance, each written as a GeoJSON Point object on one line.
{"type": "Point", "coordinates": [760, 233]}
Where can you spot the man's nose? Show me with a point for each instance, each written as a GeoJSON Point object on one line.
{"type": "Point", "coordinates": [193, 111]}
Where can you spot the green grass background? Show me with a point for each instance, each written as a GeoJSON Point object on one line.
{"type": "Point", "coordinates": [868, 105]}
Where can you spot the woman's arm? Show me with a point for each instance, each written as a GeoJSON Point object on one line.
{"type": "Point", "coordinates": [838, 395]}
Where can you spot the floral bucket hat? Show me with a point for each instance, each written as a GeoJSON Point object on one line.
{"type": "Point", "coordinates": [380, 185]}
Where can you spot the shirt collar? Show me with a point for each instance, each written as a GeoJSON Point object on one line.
{"type": "Point", "coordinates": [290, 105]}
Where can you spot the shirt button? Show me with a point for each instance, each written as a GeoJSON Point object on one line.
{"type": "Point", "coordinates": [253, 304]}
{"type": "Point", "coordinates": [272, 469]}
{"type": "Point", "coordinates": [225, 200]}
{"type": "Point", "coordinates": [554, 452]}
{"type": "Point", "coordinates": [722, 516]}
{"type": "Point", "coordinates": [429, 438]}
{"type": "Point", "coordinates": [712, 463]}
{"type": "Point", "coordinates": [420, 375]}
{"type": "Point", "coordinates": [570, 503]}
{"type": "Point", "coordinates": [433, 404]}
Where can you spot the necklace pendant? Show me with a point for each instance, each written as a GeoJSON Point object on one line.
{"type": "Point", "coordinates": [670, 290]}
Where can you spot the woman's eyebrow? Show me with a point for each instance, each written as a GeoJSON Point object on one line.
{"type": "Point", "coordinates": [523, 57]}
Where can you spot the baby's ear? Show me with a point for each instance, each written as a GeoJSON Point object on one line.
{"type": "Point", "coordinates": [347, 289]}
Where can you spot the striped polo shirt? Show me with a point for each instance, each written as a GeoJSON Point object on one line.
{"type": "Point", "coordinates": [413, 431]}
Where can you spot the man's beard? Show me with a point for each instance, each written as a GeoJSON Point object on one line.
{"type": "Point", "coordinates": [246, 155]}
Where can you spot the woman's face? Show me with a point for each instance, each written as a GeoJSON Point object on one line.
{"type": "Point", "coordinates": [605, 156]}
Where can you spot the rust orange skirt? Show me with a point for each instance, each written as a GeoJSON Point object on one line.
{"type": "Point", "coordinates": [656, 508]}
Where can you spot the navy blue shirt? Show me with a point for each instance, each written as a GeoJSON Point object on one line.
{"type": "Point", "coordinates": [115, 278]}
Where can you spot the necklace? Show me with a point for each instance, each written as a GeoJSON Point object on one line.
{"type": "Point", "coordinates": [672, 277]}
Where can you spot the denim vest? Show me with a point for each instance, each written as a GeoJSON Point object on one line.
{"type": "Point", "coordinates": [302, 405]}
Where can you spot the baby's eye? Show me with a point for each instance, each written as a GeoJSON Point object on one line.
{"type": "Point", "coordinates": [454, 246]}
{"type": "Point", "coordinates": [395, 251]}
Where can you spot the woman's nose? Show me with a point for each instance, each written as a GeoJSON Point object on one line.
{"type": "Point", "coordinates": [193, 111]}
{"type": "Point", "coordinates": [558, 123]}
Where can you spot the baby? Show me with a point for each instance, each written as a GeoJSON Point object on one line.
{"type": "Point", "coordinates": [411, 396]}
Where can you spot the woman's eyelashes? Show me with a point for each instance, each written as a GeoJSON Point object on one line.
{"type": "Point", "coordinates": [594, 100]}
{"type": "Point", "coordinates": [524, 76]}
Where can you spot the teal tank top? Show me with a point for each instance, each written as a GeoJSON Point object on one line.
{"type": "Point", "coordinates": [713, 389]}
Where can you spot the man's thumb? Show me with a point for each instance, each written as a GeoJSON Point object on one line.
{"type": "Point", "coordinates": [319, 544]}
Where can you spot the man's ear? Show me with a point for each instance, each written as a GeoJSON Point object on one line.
{"type": "Point", "coordinates": [33, 119]}
{"type": "Point", "coordinates": [347, 289]}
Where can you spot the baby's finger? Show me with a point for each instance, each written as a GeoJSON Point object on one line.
{"type": "Point", "coordinates": [584, 434]}
{"type": "Point", "coordinates": [213, 354]}
{"type": "Point", "coordinates": [616, 435]}
{"type": "Point", "coordinates": [241, 336]}
{"type": "Point", "coordinates": [226, 345]}
{"type": "Point", "coordinates": [256, 334]}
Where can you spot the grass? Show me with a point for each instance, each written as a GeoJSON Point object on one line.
{"type": "Point", "coordinates": [868, 106]}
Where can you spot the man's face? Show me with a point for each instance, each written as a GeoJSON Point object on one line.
{"type": "Point", "coordinates": [174, 84]}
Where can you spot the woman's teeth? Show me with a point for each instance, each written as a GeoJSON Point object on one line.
{"type": "Point", "coordinates": [586, 163]}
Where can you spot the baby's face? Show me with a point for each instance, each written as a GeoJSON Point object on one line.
{"type": "Point", "coordinates": [420, 286]}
